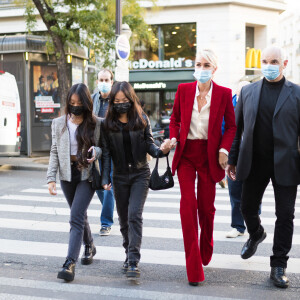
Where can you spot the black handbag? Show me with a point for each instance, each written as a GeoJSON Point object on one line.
{"type": "Point", "coordinates": [163, 182]}
{"type": "Point", "coordinates": [96, 175]}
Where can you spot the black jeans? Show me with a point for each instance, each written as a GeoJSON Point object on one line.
{"type": "Point", "coordinates": [262, 171]}
{"type": "Point", "coordinates": [79, 195]}
{"type": "Point", "coordinates": [130, 191]}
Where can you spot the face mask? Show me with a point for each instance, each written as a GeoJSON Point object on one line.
{"type": "Point", "coordinates": [271, 72]}
{"type": "Point", "coordinates": [104, 87]}
{"type": "Point", "coordinates": [122, 108]}
{"type": "Point", "coordinates": [203, 75]}
{"type": "Point", "coordinates": [76, 110]}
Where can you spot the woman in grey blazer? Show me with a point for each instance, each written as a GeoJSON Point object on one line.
{"type": "Point", "coordinates": [75, 145]}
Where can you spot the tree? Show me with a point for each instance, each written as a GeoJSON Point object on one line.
{"type": "Point", "coordinates": [88, 23]}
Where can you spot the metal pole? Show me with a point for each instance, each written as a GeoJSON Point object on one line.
{"type": "Point", "coordinates": [118, 17]}
{"type": "Point", "coordinates": [28, 109]}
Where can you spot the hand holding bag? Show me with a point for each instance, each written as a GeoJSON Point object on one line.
{"type": "Point", "coordinates": [161, 182]}
{"type": "Point", "coordinates": [96, 175]}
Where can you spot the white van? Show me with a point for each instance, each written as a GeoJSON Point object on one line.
{"type": "Point", "coordinates": [10, 116]}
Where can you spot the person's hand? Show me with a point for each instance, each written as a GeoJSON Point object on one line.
{"type": "Point", "coordinates": [52, 188]}
{"type": "Point", "coordinates": [231, 172]}
{"type": "Point", "coordinates": [223, 159]}
{"type": "Point", "coordinates": [165, 146]}
{"type": "Point", "coordinates": [173, 143]}
{"type": "Point", "coordinates": [107, 187]}
{"type": "Point", "coordinates": [90, 160]}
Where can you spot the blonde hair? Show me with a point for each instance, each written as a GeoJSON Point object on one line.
{"type": "Point", "coordinates": [209, 55]}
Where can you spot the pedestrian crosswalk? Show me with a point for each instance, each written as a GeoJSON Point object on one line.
{"type": "Point", "coordinates": [34, 213]}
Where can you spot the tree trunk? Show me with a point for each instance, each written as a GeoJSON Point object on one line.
{"type": "Point", "coordinates": [61, 60]}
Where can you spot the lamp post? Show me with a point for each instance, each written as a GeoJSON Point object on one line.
{"type": "Point", "coordinates": [118, 17]}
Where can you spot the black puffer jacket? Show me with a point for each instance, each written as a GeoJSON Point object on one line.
{"type": "Point", "coordinates": [112, 147]}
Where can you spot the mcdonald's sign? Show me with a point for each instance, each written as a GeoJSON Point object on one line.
{"type": "Point", "coordinates": [253, 58]}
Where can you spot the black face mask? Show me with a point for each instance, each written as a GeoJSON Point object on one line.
{"type": "Point", "coordinates": [76, 110]}
{"type": "Point", "coordinates": [122, 108]}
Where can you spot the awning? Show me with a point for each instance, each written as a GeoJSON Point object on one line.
{"type": "Point", "coordinates": [34, 43]}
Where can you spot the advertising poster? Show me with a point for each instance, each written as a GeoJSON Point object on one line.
{"type": "Point", "coordinates": [45, 92]}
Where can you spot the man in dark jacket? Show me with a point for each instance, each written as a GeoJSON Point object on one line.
{"type": "Point", "coordinates": [266, 147]}
{"type": "Point", "coordinates": [100, 101]}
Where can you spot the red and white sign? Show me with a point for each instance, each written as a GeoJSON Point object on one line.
{"type": "Point", "coordinates": [47, 110]}
{"type": "Point", "coordinates": [48, 104]}
{"type": "Point", "coordinates": [10, 104]}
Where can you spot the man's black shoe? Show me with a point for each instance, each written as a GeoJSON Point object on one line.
{"type": "Point", "coordinates": [88, 254]}
{"type": "Point", "coordinates": [125, 266]}
{"type": "Point", "coordinates": [133, 271]}
{"type": "Point", "coordinates": [250, 246]}
{"type": "Point", "coordinates": [193, 283]}
{"type": "Point", "coordinates": [68, 270]}
{"type": "Point", "coordinates": [278, 277]}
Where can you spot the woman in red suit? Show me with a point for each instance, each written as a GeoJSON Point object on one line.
{"type": "Point", "coordinates": [196, 123]}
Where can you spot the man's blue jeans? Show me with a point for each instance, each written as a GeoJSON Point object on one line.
{"type": "Point", "coordinates": [235, 194]}
{"type": "Point", "coordinates": [108, 203]}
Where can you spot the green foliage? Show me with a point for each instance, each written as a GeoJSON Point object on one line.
{"type": "Point", "coordinates": [89, 23]}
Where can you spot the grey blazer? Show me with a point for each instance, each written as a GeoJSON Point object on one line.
{"type": "Point", "coordinates": [60, 151]}
{"type": "Point", "coordinates": [286, 128]}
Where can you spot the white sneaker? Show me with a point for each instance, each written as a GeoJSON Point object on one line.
{"type": "Point", "coordinates": [234, 233]}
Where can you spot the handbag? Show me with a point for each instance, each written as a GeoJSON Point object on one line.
{"type": "Point", "coordinates": [96, 175]}
{"type": "Point", "coordinates": [163, 182]}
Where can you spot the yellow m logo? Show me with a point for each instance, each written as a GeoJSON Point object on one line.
{"type": "Point", "coordinates": [253, 58]}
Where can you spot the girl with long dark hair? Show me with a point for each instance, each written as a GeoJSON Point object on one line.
{"type": "Point", "coordinates": [75, 145]}
{"type": "Point", "coordinates": [126, 138]}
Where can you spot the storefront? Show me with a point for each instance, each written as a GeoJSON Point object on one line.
{"type": "Point", "coordinates": [161, 65]}
{"type": "Point", "coordinates": [25, 56]}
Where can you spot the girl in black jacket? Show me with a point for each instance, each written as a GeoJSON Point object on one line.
{"type": "Point", "coordinates": [127, 139]}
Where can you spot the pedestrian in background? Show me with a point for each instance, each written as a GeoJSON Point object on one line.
{"type": "Point", "coordinates": [126, 138]}
{"type": "Point", "coordinates": [266, 147]}
{"type": "Point", "coordinates": [101, 100]}
{"type": "Point", "coordinates": [235, 189]}
{"type": "Point", "coordinates": [196, 122]}
{"type": "Point", "coordinates": [75, 145]}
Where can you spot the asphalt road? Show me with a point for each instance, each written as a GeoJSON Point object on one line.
{"type": "Point", "coordinates": [34, 236]}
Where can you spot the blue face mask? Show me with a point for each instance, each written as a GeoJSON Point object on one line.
{"type": "Point", "coordinates": [104, 87]}
{"type": "Point", "coordinates": [202, 75]}
{"type": "Point", "coordinates": [271, 72]}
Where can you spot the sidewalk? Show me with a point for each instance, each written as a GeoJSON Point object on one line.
{"type": "Point", "coordinates": [41, 163]}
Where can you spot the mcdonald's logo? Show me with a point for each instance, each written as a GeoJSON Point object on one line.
{"type": "Point", "coordinates": [253, 58]}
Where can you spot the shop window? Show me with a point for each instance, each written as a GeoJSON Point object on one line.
{"type": "Point", "coordinates": [169, 41]}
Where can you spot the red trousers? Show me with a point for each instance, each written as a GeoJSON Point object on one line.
{"type": "Point", "coordinates": [194, 209]}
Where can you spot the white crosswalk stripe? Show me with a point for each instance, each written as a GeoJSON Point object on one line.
{"type": "Point", "coordinates": [22, 210]}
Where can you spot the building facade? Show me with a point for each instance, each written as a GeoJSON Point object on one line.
{"type": "Point", "coordinates": [230, 28]}
{"type": "Point", "coordinates": [290, 42]}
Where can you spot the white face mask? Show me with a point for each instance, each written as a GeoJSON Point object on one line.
{"type": "Point", "coordinates": [104, 87]}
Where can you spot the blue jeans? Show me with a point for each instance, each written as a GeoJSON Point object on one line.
{"type": "Point", "coordinates": [235, 194]}
{"type": "Point", "coordinates": [108, 203]}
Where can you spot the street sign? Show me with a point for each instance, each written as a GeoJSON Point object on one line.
{"type": "Point", "coordinates": [122, 47]}
{"type": "Point", "coordinates": [122, 70]}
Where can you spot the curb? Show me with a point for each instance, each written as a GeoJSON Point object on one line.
{"type": "Point", "coordinates": [23, 168]}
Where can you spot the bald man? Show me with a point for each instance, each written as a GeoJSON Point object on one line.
{"type": "Point", "coordinates": [266, 148]}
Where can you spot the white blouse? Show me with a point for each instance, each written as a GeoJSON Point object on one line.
{"type": "Point", "coordinates": [199, 121]}
{"type": "Point", "coordinates": [73, 142]}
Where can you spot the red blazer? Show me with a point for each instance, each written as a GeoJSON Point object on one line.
{"type": "Point", "coordinates": [221, 107]}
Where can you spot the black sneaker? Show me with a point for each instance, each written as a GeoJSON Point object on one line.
{"type": "Point", "coordinates": [105, 230]}
{"type": "Point", "coordinates": [68, 270]}
{"type": "Point", "coordinates": [88, 254]}
{"type": "Point", "coordinates": [125, 266]}
{"type": "Point", "coordinates": [133, 270]}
